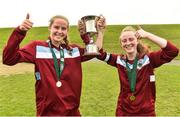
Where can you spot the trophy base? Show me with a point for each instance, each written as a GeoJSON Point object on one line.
{"type": "Point", "coordinates": [86, 54]}
{"type": "Point", "coordinates": [91, 49]}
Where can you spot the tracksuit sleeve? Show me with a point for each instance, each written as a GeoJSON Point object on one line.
{"type": "Point", "coordinates": [85, 38]}
{"type": "Point", "coordinates": [111, 59]}
{"type": "Point", "coordinates": [164, 55]}
{"type": "Point", "coordinates": [12, 54]}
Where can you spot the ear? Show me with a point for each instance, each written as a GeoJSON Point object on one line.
{"type": "Point", "coordinates": [49, 28]}
{"type": "Point", "coordinates": [68, 29]}
{"type": "Point", "coordinates": [65, 38]}
{"type": "Point", "coordinates": [120, 44]}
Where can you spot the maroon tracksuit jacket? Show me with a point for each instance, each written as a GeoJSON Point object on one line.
{"type": "Point", "coordinates": [50, 100]}
{"type": "Point", "coordinates": [145, 91]}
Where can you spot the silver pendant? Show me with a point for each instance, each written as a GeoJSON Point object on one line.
{"type": "Point", "coordinates": [58, 84]}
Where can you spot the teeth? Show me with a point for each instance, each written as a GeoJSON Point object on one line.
{"type": "Point", "coordinates": [128, 46]}
{"type": "Point", "coordinates": [57, 34]}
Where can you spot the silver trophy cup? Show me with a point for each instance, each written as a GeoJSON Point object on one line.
{"type": "Point", "coordinates": [91, 31]}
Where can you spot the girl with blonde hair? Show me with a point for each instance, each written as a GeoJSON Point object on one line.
{"type": "Point", "coordinates": [137, 94]}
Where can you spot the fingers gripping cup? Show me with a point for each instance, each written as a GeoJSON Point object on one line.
{"type": "Point", "coordinates": [91, 31]}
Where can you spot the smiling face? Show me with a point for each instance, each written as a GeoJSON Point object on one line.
{"type": "Point", "coordinates": [58, 30]}
{"type": "Point", "coordinates": [129, 42]}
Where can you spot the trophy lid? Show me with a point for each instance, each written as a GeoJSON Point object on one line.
{"type": "Point", "coordinates": [89, 17]}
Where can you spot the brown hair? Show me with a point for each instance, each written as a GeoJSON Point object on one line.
{"type": "Point", "coordinates": [58, 16]}
{"type": "Point", "coordinates": [142, 49]}
{"type": "Point", "coordinates": [51, 21]}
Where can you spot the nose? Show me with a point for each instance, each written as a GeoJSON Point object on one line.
{"type": "Point", "coordinates": [60, 30]}
{"type": "Point", "coordinates": [128, 42]}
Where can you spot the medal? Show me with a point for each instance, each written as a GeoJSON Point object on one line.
{"type": "Point", "coordinates": [131, 73]}
{"type": "Point", "coordinates": [132, 98]}
{"type": "Point", "coordinates": [56, 66]}
{"type": "Point", "coordinates": [58, 84]}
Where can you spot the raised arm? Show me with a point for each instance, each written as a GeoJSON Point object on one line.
{"type": "Point", "coordinates": [101, 25]}
{"type": "Point", "coordinates": [168, 50]}
{"type": "Point", "coordinates": [161, 42]}
{"type": "Point", "coordinates": [12, 54]}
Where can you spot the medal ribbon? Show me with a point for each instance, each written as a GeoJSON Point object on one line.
{"type": "Point", "coordinates": [58, 68]}
{"type": "Point", "coordinates": [132, 74]}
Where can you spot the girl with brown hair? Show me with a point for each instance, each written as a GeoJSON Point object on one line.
{"type": "Point", "coordinates": [58, 70]}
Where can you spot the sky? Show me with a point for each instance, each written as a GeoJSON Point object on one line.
{"type": "Point", "coordinates": [116, 12]}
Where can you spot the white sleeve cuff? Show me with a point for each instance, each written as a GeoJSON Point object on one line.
{"type": "Point", "coordinates": [107, 57]}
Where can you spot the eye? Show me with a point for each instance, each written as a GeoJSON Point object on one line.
{"type": "Point", "coordinates": [124, 40]}
{"type": "Point", "coordinates": [63, 28]}
{"type": "Point", "coordinates": [56, 27]}
{"type": "Point", "coordinates": [131, 39]}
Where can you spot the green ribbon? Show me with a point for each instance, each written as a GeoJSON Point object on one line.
{"type": "Point", "coordinates": [132, 74]}
{"type": "Point", "coordinates": [58, 68]}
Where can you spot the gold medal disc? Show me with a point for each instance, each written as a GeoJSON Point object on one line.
{"type": "Point", "coordinates": [132, 97]}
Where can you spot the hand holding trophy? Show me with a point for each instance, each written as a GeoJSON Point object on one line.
{"type": "Point", "coordinates": [89, 26]}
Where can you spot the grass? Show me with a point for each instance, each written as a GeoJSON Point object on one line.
{"type": "Point", "coordinates": [168, 90]}
{"type": "Point", "coordinates": [99, 91]}
{"type": "Point", "coordinates": [17, 95]}
{"type": "Point", "coordinates": [111, 39]}
{"type": "Point", "coordinates": [100, 83]}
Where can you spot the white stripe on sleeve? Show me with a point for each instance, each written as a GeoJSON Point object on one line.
{"type": "Point", "coordinates": [107, 57]}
